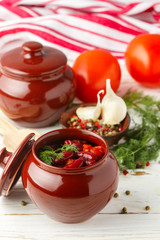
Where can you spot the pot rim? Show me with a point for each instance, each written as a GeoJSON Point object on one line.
{"type": "Point", "coordinates": [69, 170]}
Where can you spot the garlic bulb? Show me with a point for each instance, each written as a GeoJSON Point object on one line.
{"type": "Point", "coordinates": [113, 107]}
{"type": "Point", "coordinates": [91, 112]}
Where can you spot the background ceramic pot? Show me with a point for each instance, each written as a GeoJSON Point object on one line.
{"type": "Point", "coordinates": [36, 85]}
{"type": "Point", "coordinates": [66, 195]}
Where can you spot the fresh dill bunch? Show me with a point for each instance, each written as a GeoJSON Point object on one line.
{"type": "Point", "coordinates": [142, 141]}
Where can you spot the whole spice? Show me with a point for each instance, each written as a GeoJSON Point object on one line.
{"type": "Point", "coordinates": [124, 210]}
{"type": "Point", "coordinates": [127, 192]}
{"type": "Point", "coordinates": [23, 203]}
{"type": "Point", "coordinates": [148, 164]}
{"type": "Point", "coordinates": [91, 112]}
{"type": "Point", "coordinates": [114, 109]}
{"type": "Point", "coordinates": [147, 208]}
{"type": "Point", "coordinates": [97, 126]}
{"type": "Point", "coordinates": [116, 195]}
{"type": "Point", "coordinates": [142, 141]}
{"type": "Point", "coordinates": [125, 172]}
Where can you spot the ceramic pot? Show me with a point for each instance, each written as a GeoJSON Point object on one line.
{"type": "Point", "coordinates": [36, 84]}
{"type": "Point", "coordinates": [66, 195]}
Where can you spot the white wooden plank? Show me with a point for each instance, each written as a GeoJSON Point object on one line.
{"type": "Point", "coordinates": [102, 226]}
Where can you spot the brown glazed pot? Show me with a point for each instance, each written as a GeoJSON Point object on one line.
{"type": "Point", "coordinates": [66, 195]}
{"type": "Point", "coordinates": [36, 84]}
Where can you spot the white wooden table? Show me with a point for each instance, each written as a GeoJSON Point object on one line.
{"type": "Point", "coordinates": [29, 223]}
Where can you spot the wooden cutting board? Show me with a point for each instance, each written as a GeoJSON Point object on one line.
{"type": "Point", "coordinates": [13, 136]}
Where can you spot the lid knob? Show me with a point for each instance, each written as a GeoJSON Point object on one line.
{"type": "Point", "coordinates": [32, 47]}
{"type": "Point", "coordinates": [4, 155]}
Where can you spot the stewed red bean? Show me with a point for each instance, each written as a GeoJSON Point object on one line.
{"type": "Point", "coordinates": [77, 163]}
{"type": "Point", "coordinates": [71, 154]}
{"type": "Point", "coordinates": [65, 156]}
{"type": "Point", "coordinates": [87, 156]}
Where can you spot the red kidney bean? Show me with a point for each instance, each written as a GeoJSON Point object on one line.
{"type": "Point", "coordinates": [90, 162]}
{"type": "Point", "coordinates": [87, 156]}
{"type": "Point", "coordinates": [79, 146]}
{"type": "Point", "coordinates": [77, 163]}
{"type": "Point", "coordinates": [68, 142]}
{"type": "Point", "coordinates": [76, 143]}
{"type": "Point", "coordinates": [66, 156]}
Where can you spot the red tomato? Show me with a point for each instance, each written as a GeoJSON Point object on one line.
{"type": "Point", "coordinates": [143, 59]}
{"type": "Point", "coordinates": [87, 147]}
{"type": "Point", "coordinates": [92, 68]}
{"type": "Point", "coordinates": [98, 151]}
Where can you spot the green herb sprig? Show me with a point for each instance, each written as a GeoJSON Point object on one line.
{"type": "Point", "coordinates": [69, 147]}
{"type": "Point", "coordinates": [47, 153]}
{"type": "Point", "coordinates": [142, 141]}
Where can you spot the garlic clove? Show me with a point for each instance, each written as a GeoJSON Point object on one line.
{"type": "Point", "coordinates": [90, 112]}
{"type": "Point", "coordinates": [114, 109]}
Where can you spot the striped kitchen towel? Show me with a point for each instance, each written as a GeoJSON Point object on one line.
{"type": "Point", "coordinates": [74, 26]}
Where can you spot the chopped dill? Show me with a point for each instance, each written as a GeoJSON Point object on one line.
{"type": "Point", "coordinates": [47, 153]}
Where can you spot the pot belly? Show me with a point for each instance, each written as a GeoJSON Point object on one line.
{"type": "Point", "coordinates": [71, 198]}
{"type": "Point", "coordinates": [36, 103]}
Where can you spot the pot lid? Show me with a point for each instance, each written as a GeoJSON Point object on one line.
{"type": "Point", "coordinates": [11, 164]}
{"type": "Point", "coordinates": [32, 59]}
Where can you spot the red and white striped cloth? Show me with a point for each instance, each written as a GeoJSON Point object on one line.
{"type": "Point", "coordinates": [74, 26]}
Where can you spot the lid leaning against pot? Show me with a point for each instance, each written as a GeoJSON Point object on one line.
{"type": "Point", "coordinates": [11, 164]}
{"type": "Point", "coordinates": [32, 59]}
